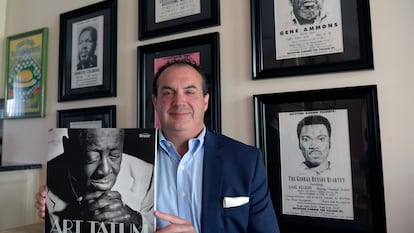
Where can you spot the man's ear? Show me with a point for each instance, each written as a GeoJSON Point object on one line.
{"type": "Point", "coordinates": [154, 100]}
{"type": "Point", "coordinates": [206, 99]}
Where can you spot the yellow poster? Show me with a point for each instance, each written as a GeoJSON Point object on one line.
{"type": "Point", "coordinates": [26, 74]}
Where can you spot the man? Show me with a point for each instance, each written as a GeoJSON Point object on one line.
{"type": "Point", "coordinates": [81, 181]}
{"type": "Point", "coordinates": [220, 183]}
{"type": "Point", "coordinates": [206, 182]}
{"type": "Point", "coordinates": [307, 11]}
{"type": "Point", "coordinates": [86, 48]}
{"type": "Point", "coordinates": [314, 135]}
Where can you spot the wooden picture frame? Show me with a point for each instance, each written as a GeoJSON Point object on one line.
{"type": "Point", "coordinates": [203, 49]}
{"type": "Point", "coordinates": [160, 18]}
{"type": "Point", "coordinates": [25, 74]}
{"type": "Point", "coordinates": [339, 39]}
{"type": "Point", "coordinates": [87, 52]}
{"type": "Point", "coordinates": [94, 117]}
{"type": "Point", "coordinates": [328, 180]}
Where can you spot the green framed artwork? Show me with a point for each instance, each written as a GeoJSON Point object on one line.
{"type": "Point", "coordinates": [25, 78]}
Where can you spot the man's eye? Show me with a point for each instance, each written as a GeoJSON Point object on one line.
{"type": "Point", "coordinates": [323, 139]}
{"type": "Point", "coordinates": [92, 156]}
{"type": "Point", "coordinates": [116, 154]}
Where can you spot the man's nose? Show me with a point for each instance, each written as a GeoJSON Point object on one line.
{"type": "Point", "coordinates": [313, 144]}
{"type": "Point", "coordinates": [179, 98]}
{"type": "Point", "coordinates": [104, 166]}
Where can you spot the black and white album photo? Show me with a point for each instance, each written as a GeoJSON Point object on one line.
{"type": "Point", "coordinates": [100, 180]}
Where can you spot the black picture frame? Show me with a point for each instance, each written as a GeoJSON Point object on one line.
{"type": "Point", "coordinates": [273, 113]}
{"type": "Point", "coordinates": [206, 48]}
{"type": "Point", "coordinates": [96, 77]}
{"type": "Point", "coordinates": [177, 21]}
{"type": "Point", "coordinates": [87, 117]}
{"type": "Point", "coordinates": [340, 43]}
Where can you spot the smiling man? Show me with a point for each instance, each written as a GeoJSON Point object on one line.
{"type": "Point", "coordinates": [81, 181]}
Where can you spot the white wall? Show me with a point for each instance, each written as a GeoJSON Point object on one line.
{"type": "Point", "coordinates": [393, 36]}
{"type": "Point", "coordinates": [3, 6]}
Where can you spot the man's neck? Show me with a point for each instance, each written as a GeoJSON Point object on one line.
{"type": "Point", "coordinates": [180, 139]}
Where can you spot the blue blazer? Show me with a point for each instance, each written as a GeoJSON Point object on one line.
{"type": "Point", "coordinates": [233, 169]}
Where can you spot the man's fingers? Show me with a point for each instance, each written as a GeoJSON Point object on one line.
{"type": "Point", "coordinates": [40, 202]}
{"type": "Point", "coordinates": [177, 224]}
{"type": "Point", "coordinates": [91, 197]}
{"type": "Point", "coordinates": [42, 191]}
{"type": "Point", "coordinates": [170, 218]}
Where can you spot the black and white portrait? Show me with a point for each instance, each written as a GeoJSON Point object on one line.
{"type": "Point", "coordinates": [315, 156]}
{"type": "Point", "coordinates": [93, 176]}
{"type": "Point", "coordinates": [87, 53]}
{"type": "Point", "coordinates": [306, 28]}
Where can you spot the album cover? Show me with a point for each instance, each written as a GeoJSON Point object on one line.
{"type": "Point", "coordinates": [100, 180]}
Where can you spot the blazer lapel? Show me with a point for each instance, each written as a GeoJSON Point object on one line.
{"type": "Point", "coordinates": [212, 183]}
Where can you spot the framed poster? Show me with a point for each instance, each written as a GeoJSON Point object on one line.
{"type": "Point", "coordinates": [297, 37]}
{"type": "Point", "coordinates": [95, 117]}
{"type": "Point", "coordinates": [204, 50]}
{"type": "Point", "coordinates": [87, 52]}
{"type": "Point", "coordinates": [165, 17]}
{"type": "Point", "coordinates": [323, 159]}
{"type": "Point", "coordinates": [25, 76]}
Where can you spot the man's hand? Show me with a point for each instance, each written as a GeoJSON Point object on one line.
{"type": "Point", "coordinates": [108, 207]}
{"type": "Point", "coordinates": [177, 225]}
{"type": "Point", "coordinates": [40, 203]}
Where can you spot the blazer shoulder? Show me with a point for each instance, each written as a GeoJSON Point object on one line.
{"type": "Point", "coordinates": [223, 142]}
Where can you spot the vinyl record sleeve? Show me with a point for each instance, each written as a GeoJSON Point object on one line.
{"type": "Point", "coordinates": [100, 180]}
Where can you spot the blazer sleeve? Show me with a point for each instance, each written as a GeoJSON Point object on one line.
{"type": "Point", "coordinates": [262, 217]}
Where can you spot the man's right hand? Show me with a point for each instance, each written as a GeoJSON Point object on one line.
{"type": "Point", "coordinates": [40, 203]}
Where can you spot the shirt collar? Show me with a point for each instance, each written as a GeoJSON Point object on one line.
{"type": "Point", "coordinates": [194, 144]}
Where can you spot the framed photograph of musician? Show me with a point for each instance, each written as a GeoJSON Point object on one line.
{"type": "Point", "coordinates": [297, 37]}
{"type": "Point", "coordinates": [87, 52]}
{"type": "Point", "coordinates": [94, 117]}
{"type": "Point", "coordinates": [201, 49]}
{"type": "Point", "coordinates": [165, 17]}
{"type": "Point", "coordinates": [323, 159]}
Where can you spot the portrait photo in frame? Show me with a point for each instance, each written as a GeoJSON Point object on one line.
{"type": "Point", "coordinates": [25, 74]}
{"type": "Point", "coordinates": [290, 39]}
{"type": "Point", "coordinates": [94, 117]}
{"type": "Point", "coordinates": [323, 159]}
{"type": "Point", "coordinates": [87, 52]}
{"type": "Point", "coordinates": [202, 49]}
{"type": "Point", "coordinates": [164, 17]}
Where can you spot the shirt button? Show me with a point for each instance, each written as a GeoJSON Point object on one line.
{"type": "Point", "coordinates": [182, 194]}
{"type": "Point", "coordinates": [182, 167]}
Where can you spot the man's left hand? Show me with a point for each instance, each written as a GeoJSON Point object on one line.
{"type": "Point", "coordinates": [177, 225]}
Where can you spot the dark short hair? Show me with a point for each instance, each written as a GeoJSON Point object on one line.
{"type": "Point", "coordinates": [94, 33]}
{"type": "Point", "coordinates": [183, 61]}
{"type": "Point", "coordinates": [314, 120]}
